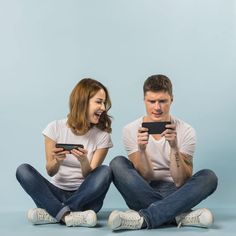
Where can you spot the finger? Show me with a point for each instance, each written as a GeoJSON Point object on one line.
{"type": "Point", "coordinates": [143, 138]}
{"type": "Point", "coordinates": [56, 150]}
{"type": "Point", "coordinates": [170, 137]}
{"type": "Point", "coordinates": [171, 126]}
{"type": "Point", "coordinates": [142, 129]}
{"type": "Point", "coordinates": [77, 152]}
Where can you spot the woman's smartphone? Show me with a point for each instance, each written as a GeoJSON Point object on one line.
{"type": "Point", "coordinates": [69, 147]}
{"type": "Point", "coordinates": [156, 127]}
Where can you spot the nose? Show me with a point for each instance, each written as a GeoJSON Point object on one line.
{"type": "Point", "coordinates": [103, 107]}
{"type": "Point", "coordinates": [157, 105]}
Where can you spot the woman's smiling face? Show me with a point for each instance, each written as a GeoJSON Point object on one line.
{"type": "Point", "coordinates": [96, 106]}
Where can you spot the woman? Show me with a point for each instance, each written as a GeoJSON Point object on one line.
{"type": "Point", "coordinates": [79, 182]}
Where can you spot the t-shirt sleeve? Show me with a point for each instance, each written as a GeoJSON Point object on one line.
{"type": "Point", "coordinates": [188, 141]}
{"type": "Point", "coordinates": [129, 138]}
{"type": "Point", "coordinates": [104, 141]}
{"type": "Point", "coordinates": [51, 131]}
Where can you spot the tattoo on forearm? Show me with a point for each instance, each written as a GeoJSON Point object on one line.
{"type": "Point", "coordinates": [188, 161]}
{"type": "Point", "coordinates": [177, 159]}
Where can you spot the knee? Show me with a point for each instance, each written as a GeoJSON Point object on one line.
{"type": "Point", "coordinates": [105, 173]}
{"type": "Point", "coordinates": [118, 163]}
{"type": "Point", "coordinates": [209, 178]}
{"type": "Point", "coordinates": [23, 172]}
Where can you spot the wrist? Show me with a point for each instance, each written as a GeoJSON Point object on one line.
{"type": "Point", "coordinates": [83, 159]}
{"type": "Point", "coordinates": [141, 148]}
{"type": "Point", "coordinates": [174, 149]}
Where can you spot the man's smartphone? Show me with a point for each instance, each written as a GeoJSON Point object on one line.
{"type": "Point", "coordinates": [156, 127]}
{"type": "Point", "coordinates": [69, 147]}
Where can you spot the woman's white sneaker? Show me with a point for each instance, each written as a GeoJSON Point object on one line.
{"type": "Point", "coordinates": [81, 218]}
{"type": "Point", "coordinates": [38, 216]}
{"type": "Point", "coordinates": [198, 218]}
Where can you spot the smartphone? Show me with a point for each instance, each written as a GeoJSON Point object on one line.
{"type": "Point", "coordinates": [69, 147]}
{"type": "Point", "coordinates": [156, 127]}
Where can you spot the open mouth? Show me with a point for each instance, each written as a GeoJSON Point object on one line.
{"type": "Point", "coordinates": [98, 114]}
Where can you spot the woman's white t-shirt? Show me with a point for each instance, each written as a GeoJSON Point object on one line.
{"type": "Point", "coordinates": [69, 176]}
{"type": "Point", "coordinates": [159, 150]}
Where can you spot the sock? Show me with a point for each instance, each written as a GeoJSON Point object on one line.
{"type": "Point", "coordinates": [144, 225]}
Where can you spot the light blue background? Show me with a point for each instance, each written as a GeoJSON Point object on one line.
{"type": "Point", "coordinates": [47, 46]}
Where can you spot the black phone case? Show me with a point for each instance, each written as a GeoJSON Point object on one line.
{"type": "Point", "coordinates": [155, 127]}
{"type": "Point", "coordinates": [69, 147]}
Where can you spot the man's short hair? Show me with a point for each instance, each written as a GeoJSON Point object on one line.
{"type": "Point", "coordinates": [158, 83]}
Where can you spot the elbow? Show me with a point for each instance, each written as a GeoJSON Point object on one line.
{"type": "Point", "coordinates": [147, 175]}
{"type": "Point", "coordinates": [50, 172]}
{"type": "Point", "coordinates": [178, 184]}
{"type": "Point", "coordinates": [181, 181]}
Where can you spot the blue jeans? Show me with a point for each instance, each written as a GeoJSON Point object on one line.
{"type": "Point", "coordinates": [56, 201]}
{"type": "Point", "coordinates": [159, 202]}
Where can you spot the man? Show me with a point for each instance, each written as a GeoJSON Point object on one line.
{"type": "Point", "coordinates": [156, 181]}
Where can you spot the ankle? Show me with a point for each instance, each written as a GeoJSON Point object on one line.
{"type": "Point", "coordinates": [144, 225]}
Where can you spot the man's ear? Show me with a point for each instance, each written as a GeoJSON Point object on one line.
{"type": "Point", "coordinates": [172, 98]}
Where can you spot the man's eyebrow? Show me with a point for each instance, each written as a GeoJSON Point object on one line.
{"type": "Point", "coordinates": [163, 99]}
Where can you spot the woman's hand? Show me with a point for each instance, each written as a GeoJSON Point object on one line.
{"type": "Point", "coordinates": [80, 154]}
{"type": "Point", "coordinates": [59, 155]}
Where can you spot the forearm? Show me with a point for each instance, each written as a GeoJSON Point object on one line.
{"type": "Point", "coordinates": [85, 167]}
{"type": "Point", "coordinates": [52, 167]}
{"type": "Point", "coordinates": [179, 170]}
{"type": "Point", "coordinates": [142, 164]}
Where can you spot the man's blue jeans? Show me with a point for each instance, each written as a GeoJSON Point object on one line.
{"type": "Point", "coordinates": [160, 202]}
{"type": "Point", "coordinates": [56, 201]}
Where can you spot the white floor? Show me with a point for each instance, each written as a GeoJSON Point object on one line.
{"type": "Point", "coordinates": [15, 223]}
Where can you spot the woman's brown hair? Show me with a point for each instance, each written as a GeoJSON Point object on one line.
{"type": "Point", "coordinates": [78, 105]}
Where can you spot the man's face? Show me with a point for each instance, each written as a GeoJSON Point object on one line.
{"type": "Point", "coordinates": [157, 106]}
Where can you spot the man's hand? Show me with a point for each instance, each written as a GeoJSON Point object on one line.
{"type": "Point", "coordinates": [170, 135]}
{"type": "Point", "coordinates": [142, 138]}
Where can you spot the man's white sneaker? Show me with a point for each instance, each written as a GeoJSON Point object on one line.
{"type": "Point", "coordinates": [81, 218]}
{"type": "Point", "coordinates": [198, 218]}
{"type": "Point", "coordinates": [119, 220]}
{"type": "Point", "coordinates": [38, 216]}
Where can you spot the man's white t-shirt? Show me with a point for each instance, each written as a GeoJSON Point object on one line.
{"type": "Point", "coordinates": [69, 176]}
{"type": "Point", "coordinates": [159, 150]}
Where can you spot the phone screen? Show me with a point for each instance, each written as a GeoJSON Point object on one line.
{"type": "Point", "coordinates": [155, 127]}
{"type": "Point", "coordinates": [69, 147]}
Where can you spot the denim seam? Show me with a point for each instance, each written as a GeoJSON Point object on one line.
{"type": "Point", "coordinates": [62, 212]}
{"type": "Point", "coordinates": [145, 218]}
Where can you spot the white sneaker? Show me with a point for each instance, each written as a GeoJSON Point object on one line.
{"type": "Point", "coordinates": [81, 218]}
{"type": "Point", "coordinates": [198, 218]}
{"type": "Point", "coordinates": [125, 220]}
{"type": "Point", "coordinates": [38, 216]}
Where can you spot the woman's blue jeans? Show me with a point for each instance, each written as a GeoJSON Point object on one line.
{"type": "Point", "coordinates": [160, 202]}
{"type": "Point", "coordinates": [56, 201]}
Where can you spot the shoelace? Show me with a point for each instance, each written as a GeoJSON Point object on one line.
{"type": "Point", "coordinates": [130, 221]}
{"type": "Point", "coordinates": [190, 220]}
{"type": "Point", "coordinates": [79, 218]}
{"type": "Point", "coordinates": [43, 216]}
